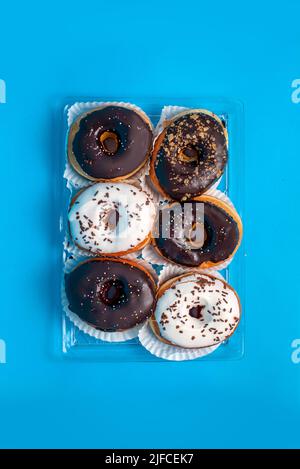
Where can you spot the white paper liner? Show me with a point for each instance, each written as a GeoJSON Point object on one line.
{"type": "Point", "coordinates": [79, 108]}
{"type": "Point", "coordinates": [73, 179]}
{"type": "Point", "coordinates": [167, 113]}
{"type": "Point", "coordinates": [121, 336]}
{"type": "Point", "coordinates": [71, 248]}
{"type": "Point", "coordinates": [172, 270]}
{"type": "Point", "coordinates": [135, 256]}
{"type": "Point", "coordinates": [172, 352]}
{"type": "Point", "coordinates": [151, 254]}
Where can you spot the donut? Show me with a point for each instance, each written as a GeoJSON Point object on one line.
{"type": "Point", "coordinates": [203, 232]}
{"type": "Point", "coordinates": [195, 310]}
{"type": "Point", "coordinates": [111, 218]}
{"type": "Point", "coordinates": [109, 143]}
{"type": "Point", "coordinates": [109, 294]}
{"type": "Point", "coordinates": [189, 155]}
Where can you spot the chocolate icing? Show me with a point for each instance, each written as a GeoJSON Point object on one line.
{"type": "Point", "coordinates": [111, 142]}
{"type": "Point", "coordinates": [221, 238]}
{"type": "Point", "coordinates": [191, 156]}
{"type": "Point", "coordinates": [110, 295]}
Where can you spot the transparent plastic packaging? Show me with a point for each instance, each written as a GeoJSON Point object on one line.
{"type": "Point", "coordinates": [76, 340]}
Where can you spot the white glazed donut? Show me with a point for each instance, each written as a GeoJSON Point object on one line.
{"type": "Point", "coordinates": [195, 310]}
{"type": "Point", "coordinates": [111, 218]}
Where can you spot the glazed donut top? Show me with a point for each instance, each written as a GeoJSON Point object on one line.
{"type": "Point", "coordinates": [190, 154]}
{"type": "Point", "coordinates": [197, 310]}
{"type": "Point", "coordinates": [202, 233]}
{"type": "Point", "coordinates": [109, 143]}
{"type": "Point", "coordinates": [110, 295]}
{"type": "Point", "coordinates": [111, 218]}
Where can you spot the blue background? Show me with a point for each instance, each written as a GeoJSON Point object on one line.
{"type": "Point", "coordinates": [51, 51]}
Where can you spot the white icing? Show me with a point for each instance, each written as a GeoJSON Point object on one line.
{"type": "Point", "coordinates": [111, 218]}
{"type": "Point", "coordinates": [219, 316]}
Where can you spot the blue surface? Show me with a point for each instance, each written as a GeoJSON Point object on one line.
{"type": "Point", "coordinates": [154, 49]}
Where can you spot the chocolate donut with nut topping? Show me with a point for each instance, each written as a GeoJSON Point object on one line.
{"type": "Point", "coordinates": [189, 155]}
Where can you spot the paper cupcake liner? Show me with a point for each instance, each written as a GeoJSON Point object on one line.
{"type": "Point", "coordinates": [122, 336]}
{"type": "Point", "coordinates": [151, 254]}
{"type": "Point", "coordinates": [136, 256]}
{"type": "Point", "coordinates": [221, 196]}
{"type": "Point", "coordinates": [172, 270]}
{"type": "Point", "coordinates": [172, 352]}
{"type": "Point", "coordinates": [79, 108]}
{"type": "Point", "coordinates": [168, 112]}
{"type": "Point", "coordinates": [72, 250]}
{"type": "Point", "coordinates": [73, 179]}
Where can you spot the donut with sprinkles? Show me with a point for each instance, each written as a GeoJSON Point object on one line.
{"type": "Point", "coordinates": [195, 310]}
{"type": "Point", "coordinates": [111, 218]}
{"type": "Point", "coordinates": [109, 294]}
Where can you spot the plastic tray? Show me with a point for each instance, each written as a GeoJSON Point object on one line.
{"type": "Point", "coordinates": [77, 344]}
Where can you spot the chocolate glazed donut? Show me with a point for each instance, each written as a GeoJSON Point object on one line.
{"type": "Point", "coordinates": [110, 295]}
{"type": "Point", "coordinates": [218, 224]}
{"type": "Point", "coordinates": [189, 155]}
{"type": "Point", "coordinates": [110, 143]}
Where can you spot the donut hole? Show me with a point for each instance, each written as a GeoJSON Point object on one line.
{"type": "Point", "coordinates": [110, 142]}
{"type": "Point", "coordinates": [112, 219]}
{"type": "Point", "coordinates": [113, 292]}
{"type": "Point", "coordinates": [189, 154]}
{"type": "Point", "coordinates": [196, 312]}
{"type": "Point", "coordinates": [196, 235]}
